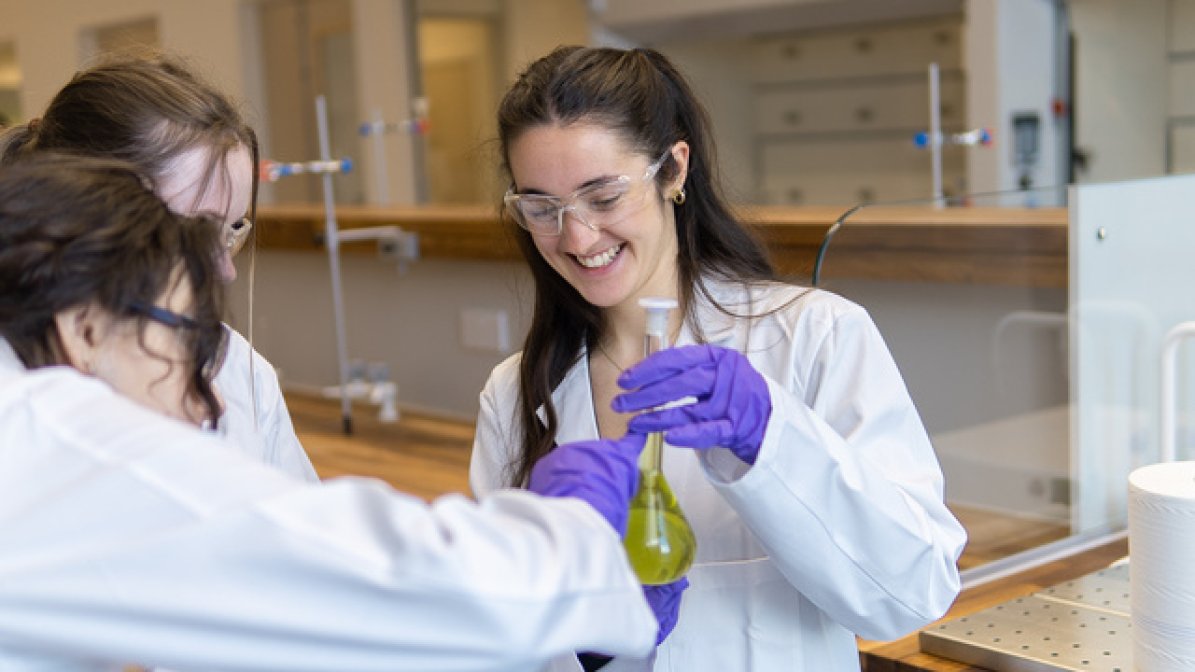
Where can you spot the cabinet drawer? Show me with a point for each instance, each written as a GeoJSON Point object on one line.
{"type": "Point", "coordinates": [859, 52]}
{"type": "Point", "coordinates": [852, 188]}
{"type": "Point", "coordinates": [812, 156]}
{"type": "Point", "coordinates": [848, 172]}
{"type": "Point", "coordinates": [1182, 25]}
{"type": "Point", "coordinates": [1182, 89]}
{"type": "Point", "coordinates": [899, 105]}
{"type": "Point", "coordinates": [1182, 149]}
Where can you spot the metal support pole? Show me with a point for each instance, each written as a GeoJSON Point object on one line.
{"type": "Point", "coordinates": [332, 241]}
{"type": "Point", "coordinates": [935, 135]}
{"type": "Point", "coordinates": [381, 176]}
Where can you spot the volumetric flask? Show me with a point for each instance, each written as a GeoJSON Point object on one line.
{"type": "Point", "coordinates": [659, 541]}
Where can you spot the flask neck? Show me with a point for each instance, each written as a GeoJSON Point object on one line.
{"type": "Point", "coordinates": [651, 460]}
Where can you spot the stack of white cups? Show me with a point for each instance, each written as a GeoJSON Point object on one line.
{"type": "Point", "coordinates": [1162, 566]}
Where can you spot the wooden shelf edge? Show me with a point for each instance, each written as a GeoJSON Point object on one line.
{"type": "Point", "coordinates": [1000, 246]}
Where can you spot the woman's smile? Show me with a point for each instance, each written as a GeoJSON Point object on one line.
{"type": "Point", "coordinates": [601, 259]}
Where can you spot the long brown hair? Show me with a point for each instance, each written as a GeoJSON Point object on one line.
{"type": "Point", "coordinates": [147, 110]}
{"type": "Point", "coordinates": [639, 95]}
{"type": "Point", "coordinates": [76, 231]}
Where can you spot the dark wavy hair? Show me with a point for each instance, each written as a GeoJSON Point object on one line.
{"type": "Point", "coordinates": [76, 231]}
{"type": "Point", "coordinates": [641, 97]}
{"type": "Point", "coordinates": [147, 110]}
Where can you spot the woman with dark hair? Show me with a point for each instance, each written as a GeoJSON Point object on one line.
{"type": "Point", "coordinates": [812, 488]}
{"type": "Point", "coordinates": [100, 276]}
{"type": "Point", "coordinates": [131, 537]}
{"type": "Point", "coordinates": [160, 116]}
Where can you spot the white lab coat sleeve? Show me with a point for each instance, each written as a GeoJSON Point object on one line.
{"type": "Point", "coordinates": [846, 494]}
{"type": "Point", "coordinates": [132, 538]}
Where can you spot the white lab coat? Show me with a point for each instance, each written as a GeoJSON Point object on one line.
{"type": "Point", "coordinates": [270, 437]}
{"type": "Point", "coordinates": [131, 538]}
{"type": "Point", "coordinates": [838, 529]}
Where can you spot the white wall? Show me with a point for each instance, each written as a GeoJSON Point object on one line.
{"type": "Point", "coordinates": [719, 19]}
{"type": "Point", "coordinates": [535, 27]}
{"type": "Point", "coordinates": [47, 37]}
{"type": "Point", "coordinates": [715, 71]}
{"type": "Point", "coordinates": [409, 320]}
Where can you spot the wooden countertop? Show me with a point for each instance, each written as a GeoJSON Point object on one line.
{"type": "Point", "coordinates": [904, 655]}
{"type": "Point", "coordinates": [967, 245]}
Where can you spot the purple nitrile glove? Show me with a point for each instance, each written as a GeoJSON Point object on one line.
{"type": "Point", "coordinates": [733, 403]}
{"type": "Point", "coordinates": [604, 473]}
{"type": "Point", "coordinates": [665, 604]}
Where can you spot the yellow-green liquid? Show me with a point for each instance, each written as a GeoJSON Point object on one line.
{"type": "Point", "coordinates": [659, 541]}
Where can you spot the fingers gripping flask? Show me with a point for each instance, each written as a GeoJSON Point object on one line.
{"type": "Point", "coordinates": [659, 541]}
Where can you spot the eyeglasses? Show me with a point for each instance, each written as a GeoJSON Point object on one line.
{"type": "Point", "coordinates": [182, 322]}
{"type": "Point", "coordinates": [609, 201]}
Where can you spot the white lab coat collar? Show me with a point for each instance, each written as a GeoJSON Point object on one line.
{"type": "Point", "coordinates": [717, 327]}
{"type": "Point", "coordinates": [10, 364]}
{"type": "Point", "coordinates": [573, 397]}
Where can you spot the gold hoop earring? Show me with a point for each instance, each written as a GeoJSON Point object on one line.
{"type": "Point", "coordinates": [679, 197]}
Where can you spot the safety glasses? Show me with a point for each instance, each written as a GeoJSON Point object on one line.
{"type": "Point", "coordinates": [606, 202]}
{"type": "Point", "coordinates": [183, 323]}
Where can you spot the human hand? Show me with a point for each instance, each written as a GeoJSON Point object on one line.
{"type": "Point", "coordinates": [733, 404]}
{"type": "Point", "coordinates": [604, 473]}
{"type": "Point", "coordinates": [665, 604]}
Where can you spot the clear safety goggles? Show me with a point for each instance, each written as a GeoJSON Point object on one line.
{"type": "Point", "coordinates": [607, 202]}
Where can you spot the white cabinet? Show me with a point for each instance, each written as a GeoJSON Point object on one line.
{"type": "Point", "coordinates": [836, 112]}
{"type": "Point", "coordinates": [1182, 87]}
{"type": "Point", "coordinates": [890, 104]}
{"type": "Point", "coordinates": [871, 51]}
{"type": "Point", "coordinates": [1182, 25]}
{"type": "Point", "coordinates": [835, 171]}
{"type": "Point", "coordinates": [1182, 149]}
{"type": "Point", "coordinates": [1181, 112]}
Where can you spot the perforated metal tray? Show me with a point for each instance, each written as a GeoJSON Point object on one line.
{"type": "Point", "coordinates": [1078, 625]}
{"type": "Point", "coordinates": [1107, 589]}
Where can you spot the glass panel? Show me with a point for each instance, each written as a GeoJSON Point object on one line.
{"type": "Point", "coordinates": [1036, 365]}
{"type": "Point", "coordinates": [972, 301]}
{"type": "Point", "coordinates": [1131, 277]}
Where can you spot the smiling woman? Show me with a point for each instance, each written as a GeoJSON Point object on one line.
{"type": "Point", "coordinates": [809, 481]}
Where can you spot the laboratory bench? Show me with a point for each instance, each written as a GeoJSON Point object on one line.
{"type": "Point", "coordinates": [956, 245]}
{"type": "Point", "coordinates": [905, 654]}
